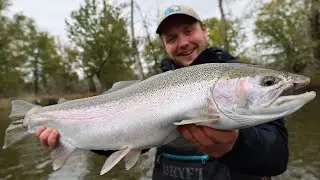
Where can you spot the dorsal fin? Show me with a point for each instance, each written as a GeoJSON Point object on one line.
{"type": "Point", "coordinates": [62, 100]}
{"type": "Point", "coordinates": [120, 85]}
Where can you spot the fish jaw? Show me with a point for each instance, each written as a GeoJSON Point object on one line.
{"type": "Point", "coordinates": [296, 100]}
{"type": "Point", "coordinates": [281, 107]}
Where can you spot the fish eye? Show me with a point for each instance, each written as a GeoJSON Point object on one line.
{"type": "Point", "coordinates": [269, 81]}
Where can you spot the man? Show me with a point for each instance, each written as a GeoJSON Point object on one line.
{"type": "Point", "coordinates": [205, 153]}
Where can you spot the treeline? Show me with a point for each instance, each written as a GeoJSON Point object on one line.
{"type": "Point", "coordinates": [34, 62]}
{"type": "Point", "coordinates": [100, 49]}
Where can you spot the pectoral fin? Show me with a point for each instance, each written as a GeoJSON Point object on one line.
{"type": "Point", "coordinates": [114, 159]}
{"type": "Point", "coordinates": [195, 121]}
{"type": "Point", "coordinates": [205, 114]}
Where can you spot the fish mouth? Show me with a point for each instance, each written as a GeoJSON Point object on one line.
{"type": "Point", "coordinates": [302, 98]}
{"type": "Point", "coordinates": [294, 86]}
{"type": "Point", "coordinates": [298, 84]}
{"type": "Point", "coordinates": [291, 94]}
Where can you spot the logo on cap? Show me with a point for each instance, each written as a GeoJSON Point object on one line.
{"type": "Point", "coordinates": [171, 10]}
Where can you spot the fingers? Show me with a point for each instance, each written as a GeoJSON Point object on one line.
{"type": "Point", "coordinates": [195, 135]}
{"type": "Point", "coordinates": [44, 137]}
{"type": "Point", "coordinates": [40, 130]}
{"type": "Point", "coordinates": [200, 136]}
{"type": "Point", "coordinates": [211, 141]}
{"type": "Point", "coordinates": [220, 137]}
{"type": "Point", "coordinates": [48, 137]}
{"type": "Point", "coordinates": [184, 130]}
{"type": "Point", "coordinates": [53, 139]}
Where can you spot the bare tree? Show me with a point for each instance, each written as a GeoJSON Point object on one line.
{"type": "Point", "coordinates": [315, 28]}
{"type": "Point", "coordinates": [140, 74]}
{"type": "Point", "coordinates": [145, 25]}
{"type": "Point", "coordinates": [223, 27]}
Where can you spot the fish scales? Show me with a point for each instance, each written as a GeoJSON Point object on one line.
{"type": "Point", "coordinates": [126, 115]}
{"type": "Point", "coordinates": [133, 102]}
{"type": "Point", "coordinates": [142, 115]}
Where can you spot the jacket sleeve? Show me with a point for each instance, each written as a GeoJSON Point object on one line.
{"type": "Point", "coordinates": [260, 150]}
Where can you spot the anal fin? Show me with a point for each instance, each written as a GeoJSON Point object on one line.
{"type": "Point", "coordinates": [114, 159]}
{"type": "Point", "coordinates": [131, 158]}
{"type": "Point", "coordinates": [61, 154]}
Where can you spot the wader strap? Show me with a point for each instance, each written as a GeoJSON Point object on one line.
{"type": "Point", "coordinates": [203, 158]}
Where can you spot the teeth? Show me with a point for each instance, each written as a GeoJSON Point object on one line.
{"type": "Point", "coordinates": [188, 53]}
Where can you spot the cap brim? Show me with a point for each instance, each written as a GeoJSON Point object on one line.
{"type": "Point", "coordinates": [166, 18]}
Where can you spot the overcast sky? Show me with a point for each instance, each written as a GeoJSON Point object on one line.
{"type": "Point", "coordinates": [50, 15]}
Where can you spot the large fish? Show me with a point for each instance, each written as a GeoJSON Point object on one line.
{"type": "Point", "coordinates": [132, 116]}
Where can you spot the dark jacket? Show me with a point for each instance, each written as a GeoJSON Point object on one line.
{"type": "Point", "coordinates": [258, 152]}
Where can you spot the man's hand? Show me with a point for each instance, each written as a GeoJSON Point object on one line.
{"type": "Point", "coordinates": [48, 137]}
{"type": "Point", "coordinates": [213, 142]}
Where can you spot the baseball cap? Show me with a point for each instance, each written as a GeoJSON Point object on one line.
{"type": "Point", "coordinates": [176, 9]}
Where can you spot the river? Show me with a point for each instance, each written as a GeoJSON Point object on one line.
{"type": "Point", "coordinates": [27, 160]}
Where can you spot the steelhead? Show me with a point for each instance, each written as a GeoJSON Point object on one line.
{"type": "Point", "coordinates": [134, 115]}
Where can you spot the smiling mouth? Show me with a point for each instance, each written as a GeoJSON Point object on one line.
{"type": "Point", "coordinates": [187, 53]}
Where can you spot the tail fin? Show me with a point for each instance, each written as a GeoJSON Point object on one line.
{"type": "Point", "coordinates": [17, 130]}
{"type": "Point", "coordinates": [20, 108]}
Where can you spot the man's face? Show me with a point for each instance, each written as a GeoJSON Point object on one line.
{"type": "Point", "coordinates": [184, 38]}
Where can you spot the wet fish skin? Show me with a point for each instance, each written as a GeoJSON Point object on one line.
{"type": "Point", "coordinates": [142, 114]}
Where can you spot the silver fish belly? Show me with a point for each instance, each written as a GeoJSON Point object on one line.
{"type": "Point", "coordinates": [131, 118]}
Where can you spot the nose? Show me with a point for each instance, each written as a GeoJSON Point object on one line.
{"type": "Point", "coordinates": [183, 42]}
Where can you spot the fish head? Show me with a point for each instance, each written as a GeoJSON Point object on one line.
{"type": "Point", "coordinates": [259, 96]}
